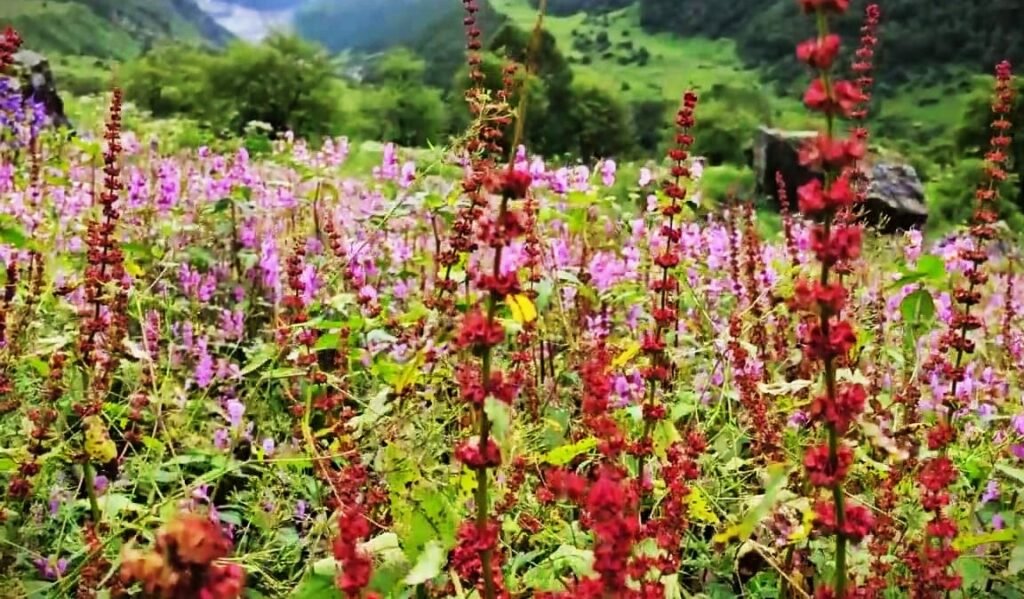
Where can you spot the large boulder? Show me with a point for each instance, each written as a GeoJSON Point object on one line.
{"type": "Point", "coordinates": [895, 197]}
{"type": "Point", "coordinates": [33, 72]}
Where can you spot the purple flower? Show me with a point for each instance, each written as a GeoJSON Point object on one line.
{"type": "Point", "coordinates": [221, 438]}
{"type": "Point", "coordinates": [798, 419]}
{"type": "Point", "coordinates": [608, 168]}
{"type": "Point", "coordinates": [310, 284]}
{"type": "Point", "coordinates": [997, 522]}
{"type": "Point", "coordinates": [51, 569]}
{"type": "Point", "coordinates": [1018, 423]}
{"type": "Point", "coordinates": [236, 410]}
{"type": "Point", "coordinates": [268, 447]}
{"type": "Point", "coordinates": [100, 484]}
{"type": "Point", "coordinates": [408, 174]}
{"type": "Point", "coordinates": [991, 492]}
{"type": "Point", "coordinates": [645, 177]}
{"type": "Point", "coordinates": [204, 365]}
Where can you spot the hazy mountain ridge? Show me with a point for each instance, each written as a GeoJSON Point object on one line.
{"type": "Point", "coordinates": [108, 28]}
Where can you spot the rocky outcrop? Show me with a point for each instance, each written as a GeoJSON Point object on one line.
{"type": "Point", "coordinates": [34, 75]}
{"type": "Point", "coordinates": [895, 197]}
{"type": "Point", "coordinates": [896, 193]}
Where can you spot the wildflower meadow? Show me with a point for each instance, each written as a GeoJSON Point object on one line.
{"type": "Point", "coordinates": [472, 371]}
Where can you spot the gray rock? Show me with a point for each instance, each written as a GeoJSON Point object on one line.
{"type": "Point", "coordinates": [33, 71]}
{"type": "Point", "coordinates": [895, 191]}
{"type": "Point", "coordinates": [895, 197]}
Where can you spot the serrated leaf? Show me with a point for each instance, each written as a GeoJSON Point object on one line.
{"type": "Point", "coordinates": [428, 565]}
{"type": "Point", "coordinates": [561, 456]}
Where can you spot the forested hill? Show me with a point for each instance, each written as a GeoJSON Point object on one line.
{"type": "Point", "coordinates": [108, 28]}
{"type": "Point", "coordinates": [918, 34]}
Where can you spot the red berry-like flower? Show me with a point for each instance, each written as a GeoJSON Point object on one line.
{"type": "Point", "coordinates": [820, 470]}
{"type": "Point", "coordinates": [819, 53]}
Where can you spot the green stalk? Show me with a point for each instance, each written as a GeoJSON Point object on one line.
{"type": "Point", "coordinates": [90, 489]}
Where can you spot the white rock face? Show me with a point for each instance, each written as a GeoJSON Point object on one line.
{"type": "Point", "coordinates": [247, 23]}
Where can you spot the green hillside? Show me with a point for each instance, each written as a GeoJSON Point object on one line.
{"type": "Point", "coordinates": [112, 29]}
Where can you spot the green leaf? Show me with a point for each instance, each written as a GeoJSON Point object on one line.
{"type": "Point", "coordinates": [1016, 565]}
{"type": "Point", "coordinates": [13, 234]}
{"type": "Point", "coordinates": [285, 373]}
{"type": "Point", "coordinates": [428, 566]}
{"type": "Point", "coordinates": [918, 307]}
{"type": "Point", "coordinates": [39, 365]}
{"type": "Point", "coordinates": [968, 541]}
{"type": "Point", "coordinates": [200, 257]}
{"type": "Point", "coordinates": [778, 474]}
{"type": "Point", "coordinates": [258, 360]}
{"type": "Point", "coordinates": [561, 456]}
{"type": "Point", "coordinates": [500, 415]}
{"type": "Point", "coordinates": [547, 574]}
{"type": "Point", "coordinates": [328, 341]}
{"type": "Point", "coordinates": [1012, 472]}
{"type": "Point", "coordinates": [973, 571]}
{"type": "Point", "coordinates": [317, 586]}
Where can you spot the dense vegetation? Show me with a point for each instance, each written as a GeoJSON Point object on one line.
{"type": "Point", "coordinates": [921, 35]}
{"type": "Point", "coordinates": [244, 357]}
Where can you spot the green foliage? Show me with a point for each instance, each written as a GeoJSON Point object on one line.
{"type": "Point", "coordinates": [951, 196]}
{"type": "Point", "coordinates": [230, 89]}
{"type": "Point", "coordinates": [401, 108]}
{"type": "Point", "coordinates": [601, 124]}
{"type": "Point", "coordinates": [568, 7]}
{"type": "Point", "coordinates": [972, 136]}
{"type": "Point", "coordinates": [921, 33]}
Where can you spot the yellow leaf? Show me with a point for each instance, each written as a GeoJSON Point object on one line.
{"type": "Point", "coordinates": [523, 310]}
{"type": "Point", "coordinates": [410, 373]}
{"type": "Point", "coordinates": [627, 354]}
{"type": "Point", "coordinates": [133, 269]}
{"type": "Point", "coordinates": [98, 445]}
{"type": "Point", "coordinates": [698, 507]}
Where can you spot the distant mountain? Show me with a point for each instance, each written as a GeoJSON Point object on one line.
{"type": "Point", "coordinates": [108, 28]}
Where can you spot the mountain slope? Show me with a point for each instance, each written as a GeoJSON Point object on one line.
{"type": "Point", "coordinates": [916, 35]}
{"type": "Point", "coordinates": [107, 28]}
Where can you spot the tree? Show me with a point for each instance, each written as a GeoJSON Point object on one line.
{"type": "Point", "coordinates": [402, 109]}
{"type": "Point", "coordinates": [171, 79]}
{"type": "Point", "coordinates": [601, 125]}
{"type": "Point", "coordinates": [284, 82]}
